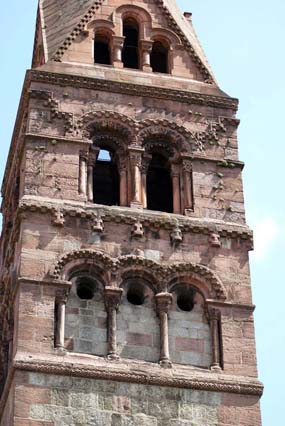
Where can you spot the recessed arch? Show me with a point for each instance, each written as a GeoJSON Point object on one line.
{"type": "Point", "coordinates": [72, 262]}
{"type": "Point", "coordinates": [107, 121]}
{"type": "Point", "coordinates": [199, 276]}
{"type": "Point", "coordinates": [139, 14]}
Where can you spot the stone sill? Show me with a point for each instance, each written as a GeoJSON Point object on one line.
{"type": "Point", "coordinates": [129, 214]}
{"type": "Point", "coordinates": [131, 371]}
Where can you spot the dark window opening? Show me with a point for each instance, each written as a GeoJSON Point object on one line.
{"type": "Point", "coordinates": [159, 185]}
{"type": "Point", "coordinates": [185, 299]}
{"type": "Point", "coordinates": [106, 180]}
{"type": "Point", "coordinates": [135, 296]}
{"type": "Point", "coordinates": [102, 51]}
{"type": "Point", "coordinates": [85, 289]}
{"type": "Point", "coordinates": [159, 58]}
{"type": "Point", "coordinates": [130, 54]}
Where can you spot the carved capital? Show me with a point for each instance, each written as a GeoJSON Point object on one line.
{"type": "Point", "coordinates": [118, 42]}
{"type": "Point", "coordinates": [146, 45]}
{"type": "Point", "coordinates": [187, 165]}
{"type": "Point", "coordinates": [145, 162]}
{"type": "Point", "coordinates": [163, 302]}
{"type": "Point", "coordinates": [92, 156]}
{"type": "Point", "coordinates": [83, 155]}
{"type": "Point", "coordinates": [175, 170]}
{"type": "Point", "coordinates": [62, 295]}
{"type": "Point", "coordinates": [214, 314]}
{"type": "Point", "coordinates": [136, 158]}
{"type": "Point", "coordinates": [112, 297]}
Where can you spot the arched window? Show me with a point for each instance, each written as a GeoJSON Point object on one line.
{"type": "Point", "coordinates": [102, 54]}
{"type": "Point", "coordinates": [130, 54]}
{"type": "Point", "coordinates": [85, 315]}
{"type": "Point", "coordinates": [137, 339]}
{"type": "Point", "coordinates": [159, 58]}
{"type": "Point", "coordinates": [159, 185]}
{"type": "Point", "coordinates": [106, 180]}
{"type": "Point", "coordinates": [193, 343]}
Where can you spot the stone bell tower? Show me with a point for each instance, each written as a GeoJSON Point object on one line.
{"type": "Point", "coordinates": [125, 296]}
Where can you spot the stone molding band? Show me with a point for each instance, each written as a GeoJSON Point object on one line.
{"type": "Point", "coordinates": [125, 215]}
{"type": "Point", "coordinates": [134, 89]}
{"type": "Point", "coordinates": [223, 384]}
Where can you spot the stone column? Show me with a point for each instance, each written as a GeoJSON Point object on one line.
{"type": "Point", "coordinates": [145, 163]}
{"type": "Point", "coordinates": [163, 303]}
{"type": "Point", "coordinates": [175, 173]}
{"type": "Point", "coordinates": [122, 168]}
{"type": "Point", "coordinates": [92, 157]}
{"type": "Point", "coordinates": [145, 48]}
{"type": "Point", "coordinates": [214, 315]}
{"type": "Point", "coordinates": [118, 44]}
{"type": "Point", "coordinates": [60, 325]}
{"type": "Point", "coordinates": [112, 301]}
{"type": "Point", "coordinates": [187, 180]}
{"type": "Point", "coordinates": [83, 172]}
{"type": "Point", "coordinates": [136, 166]}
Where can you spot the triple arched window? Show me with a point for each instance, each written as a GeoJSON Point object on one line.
{"type": "Point", "coordinates": [131, 50]}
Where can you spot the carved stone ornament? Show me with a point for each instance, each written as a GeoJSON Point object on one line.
{"type": "Point", "coordinates": [137, 230]}
{"type": "Point", "coordinates": [97, 224]}
{"type": "Point", "coordinates": [58, 218]}
{"type": "Point", "coordinates": [215, 240]}
{"type": "Point", "coordinates": [176, 235]}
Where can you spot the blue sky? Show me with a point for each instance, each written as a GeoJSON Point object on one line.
{"type": "Point", "coordinates": [244, 42]}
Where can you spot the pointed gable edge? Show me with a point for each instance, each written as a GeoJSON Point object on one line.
{"type": "Point", "coordinates": [170, 11]}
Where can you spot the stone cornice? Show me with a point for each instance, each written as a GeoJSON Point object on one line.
{"type": "Point", "coordinates": [141, 373]}
{"type": "Point", "coordinates": [134, 89]}
{"type": "Point", "coordinates": [128, 215]}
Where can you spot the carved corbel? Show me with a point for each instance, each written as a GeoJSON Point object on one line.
{"type": "Point", "coordinates": [58, 218]}
{"type": "Point", "coordinates": [163, 303]}
{"type": "Point", "coordinates": [215, 240]}
{"type": "Point", "coordinates": [112, 301]}
{"type": "Point", "coordinates": [137, 231]}
{"type": "Point", "coordinates": [176, 236]}
{"type": "Point", "coordinates": [97, 224]}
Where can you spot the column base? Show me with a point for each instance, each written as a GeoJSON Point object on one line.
{"type": "Point", "coordinates": [113, 357]}
{"type": "Point", "coordinates": [165, 363]}
{"type": "Point", "coordinates": [136, 205]}
{"type": "Point", "coordinates": [60, 350]}
{"type": "Point", "coordinates": [216, 367]}
{"type": "Point", "coordinates": [118, 64]}
{"type": "Point", "coordinates": [147, 68]}
{"type": "Point", "coordinates": [188, 212]}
